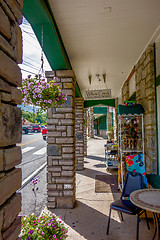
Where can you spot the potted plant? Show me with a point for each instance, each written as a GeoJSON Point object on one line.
{"type": "Point", "coordinates": [48, 226]}
{"type": "Point", "coordinates": [36, 91]}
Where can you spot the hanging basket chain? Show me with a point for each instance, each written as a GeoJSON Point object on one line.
{"type": "Point", "coordinates": [41, 71]}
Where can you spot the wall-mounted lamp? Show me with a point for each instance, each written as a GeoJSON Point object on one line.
{"type": "Point", "coordinates": [104, 77]}
{"type": "Point", "coordinates": [98, 77]}
{"type": "Point", "coordinates": [90, 77]}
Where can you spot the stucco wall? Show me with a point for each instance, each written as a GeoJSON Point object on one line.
{"type": "Point", "coordinates": [10, 117]}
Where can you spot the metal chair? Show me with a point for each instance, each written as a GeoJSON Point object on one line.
{"type": "Point", "coordinates": [133, 181]}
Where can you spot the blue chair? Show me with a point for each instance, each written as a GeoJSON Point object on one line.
{"type": "Point", "coordinates": [133, 181]}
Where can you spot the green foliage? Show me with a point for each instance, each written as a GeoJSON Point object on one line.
{"type": "Point", "coordinates": [38, 117]}
{"type": "Point", "coordinates": [47, 226]}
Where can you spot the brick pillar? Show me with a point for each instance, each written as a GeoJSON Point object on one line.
{"type": "Point", "coordinates": [10, 118]}
{"type": "Point", "coordinates": [61, 145]}
{"type": "Point", "coordinates": [91, 123]}
{"type": "Point", "coordinates": [79, 128]}
{"type": "Point", "coordinates": [85, 131]}
{"type": "Point", "coordinates": [116, 120]}
{"type": "Point", "coordinates": [109, 122]}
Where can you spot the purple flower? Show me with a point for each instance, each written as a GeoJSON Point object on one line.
{"type": "Point", "coordinates": [30, 232]}
{"type": "Point", "coordinates": [54, 236]}
{"type": "Point", "coordinates": [42, 233]}
{"type": "Point", "coordinates": [49, 101]}
{"type": "Point", "coordinates": [47, 85]}
{"type": "Point", "coordinates": [34, 181]}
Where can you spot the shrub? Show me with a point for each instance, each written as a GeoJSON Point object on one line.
{"type": "Point", "coordinates": [48, 226]}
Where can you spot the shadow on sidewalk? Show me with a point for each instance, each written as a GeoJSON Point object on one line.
{"type": "Point", "coordinates": [95, 158]}
{"type": "Point", "coordinates": [86, 221]}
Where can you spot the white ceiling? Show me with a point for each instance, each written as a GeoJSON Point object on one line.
{"type": "Point", "coordinates": [105, 37]}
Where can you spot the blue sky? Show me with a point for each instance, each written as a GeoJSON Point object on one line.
{"type": "Point", "coordinates": [31, 52]}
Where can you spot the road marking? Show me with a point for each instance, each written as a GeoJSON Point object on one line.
{"type": "Point", "coordinates": [41, 151]}
{"type": "Point", "coordinates": [29, 178]}
{"type": "Point", "coordinates": [22, 144]}
{"type": "Point", "coordinates": [27, 149]}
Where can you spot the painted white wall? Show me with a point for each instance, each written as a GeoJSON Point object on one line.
{"type": "Point", "coordinates": [158, 114]}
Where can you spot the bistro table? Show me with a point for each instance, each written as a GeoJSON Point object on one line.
{"type": "Point", "coordinates": [149, 199]}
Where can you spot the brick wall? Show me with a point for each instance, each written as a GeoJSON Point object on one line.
{"type": "Point", "coordinates": [10, 117]}
{"type": "Point", "coordinates": [125, 91]}
{"type": "Point", "coordinates": [91, 123]}
{"type": "Point", "coordinates": [79, 131]}
{"type": "Point", "coordinates": [109, 122]}
{"type": "Point", "coordinates": [116, 120]}
{"type": "Point", "coordinates": [61, 145]}
{"type": "Point", "coordinates": [145, 95]}
{"type": "Point", "coordinates": [85, 131]}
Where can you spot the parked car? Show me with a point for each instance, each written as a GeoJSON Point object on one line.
{"type": "Point", "coordinates": [44, 133]}
{"type": "Point", "coordinates": [43, 126]}
{"type": "Point", "coordinates": [36, 128]}
{"type": "Point", "coordinates": [26, 129]}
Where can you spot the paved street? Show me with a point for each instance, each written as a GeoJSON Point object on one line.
{"type": "Point", "coordinates": [33, 157]}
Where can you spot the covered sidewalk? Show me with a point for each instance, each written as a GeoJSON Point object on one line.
{"type": "Point", "coordinates": [88, 220]}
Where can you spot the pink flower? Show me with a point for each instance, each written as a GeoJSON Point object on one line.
{"type": "Point", "coordinates": [54, 236]}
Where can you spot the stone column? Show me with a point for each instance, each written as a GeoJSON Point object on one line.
{"type": "Point", "coordinates": [85, 131]}
{"type": "Point", "coordinates": [109, 120]}
{"type": "Point", "coordinates": [116, 120]}
{"type": "Point", "coordinates": [79, 142]}
{"type": "Point", "coordinates": [10, 118]}
{"type": "Point", "coordinates": [91, 123]}
{"type": "Point", "coordinates": [61, 145]}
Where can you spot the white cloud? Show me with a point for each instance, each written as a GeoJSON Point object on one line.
{"type": "Point", "coordinates": [31, 52]}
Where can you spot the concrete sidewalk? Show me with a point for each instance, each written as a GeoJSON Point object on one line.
{"type": "Point", "coordinates": [88, 220]}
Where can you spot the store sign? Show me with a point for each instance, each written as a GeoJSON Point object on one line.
{"type": "Point", "coordinates": [97, 94]}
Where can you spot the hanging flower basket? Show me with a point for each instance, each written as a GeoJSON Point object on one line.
{"type": "Point", "coordinates": [36, 91]}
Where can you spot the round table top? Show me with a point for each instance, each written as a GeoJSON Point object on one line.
{"type": "Point", "coordinates": [148, 199]}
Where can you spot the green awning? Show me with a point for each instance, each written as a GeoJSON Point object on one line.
{"type": "Point", "coordinates": [105, 102]}
{"type": "Point", "coordinates": [130, 110]}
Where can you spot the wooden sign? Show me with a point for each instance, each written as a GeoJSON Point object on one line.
{"type": "Point", "coordinates": [97, 94]}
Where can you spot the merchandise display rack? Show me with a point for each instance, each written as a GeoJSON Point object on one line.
{"type": "Point", "coordinates": [130, 136]}
{"type": "Point", "coordinates": [111, 156]}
